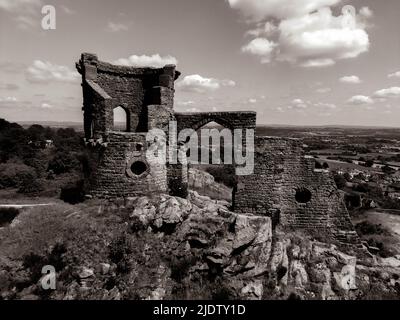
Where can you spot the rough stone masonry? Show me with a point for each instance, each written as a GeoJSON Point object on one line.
{"type": "Point", "coordinates": [284, 186]}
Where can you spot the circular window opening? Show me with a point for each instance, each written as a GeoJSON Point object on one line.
{"type": "Point", "coordinates": [138, 168]}
{"type": "Point", "coordinates": [303, 195]}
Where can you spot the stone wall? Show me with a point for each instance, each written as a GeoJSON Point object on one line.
{"type": "Point", "coordinates": [112, 175]}
{"type": "Point", "coordinates": [231, 120]}
{"type": "Point", "coordinates": [286, 186]}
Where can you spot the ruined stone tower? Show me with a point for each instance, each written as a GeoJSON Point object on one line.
{"type": "Point", "coordinates": [285, 184]}
{"type": "Point", "coordinates": [120, 167]}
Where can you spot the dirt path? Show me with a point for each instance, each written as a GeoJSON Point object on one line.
{"type": "Point", "coordinates": [20, 206]}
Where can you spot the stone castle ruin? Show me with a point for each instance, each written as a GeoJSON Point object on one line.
{"type": "Point", "coordinates": [284, 185]}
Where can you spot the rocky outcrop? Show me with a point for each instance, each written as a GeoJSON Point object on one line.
{"type": "Point", "coordinates": [204, 183]}
{"type": "Point", "coordinates": [306, 269]}
{"type": "Point", "coordinates": [233, 246]}
{"type": "Point", "coordinates": [165, 247]}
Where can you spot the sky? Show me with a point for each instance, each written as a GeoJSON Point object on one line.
{"type": "Point", "coordinates": [304, 62]}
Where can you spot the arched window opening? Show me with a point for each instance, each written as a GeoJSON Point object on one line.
{"type": "Point", "coordinates": [121, 120]}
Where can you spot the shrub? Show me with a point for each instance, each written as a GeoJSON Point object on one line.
{"type": "Point", "coordinates": [120, 252]}
{"type": "Point", "coordinates": [73, 193]}
{"type": "Point", "coordinates": [32, 186]}
{"type": "Point", "coordinates": [223, 174]}
{"type": "Point", "coordinates": [340, 181]}
{"type": "Point", "coordinates": [63, 162]}
{"type": "Point", "coordinates": [367, 228]}
{"type": "Point", "coordinates": [13, 175]}
{"type": "Point", "coordinates": [7, 215]}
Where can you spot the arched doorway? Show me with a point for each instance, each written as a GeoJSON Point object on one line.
{"type": "Point", "coordinates": [210, 152]}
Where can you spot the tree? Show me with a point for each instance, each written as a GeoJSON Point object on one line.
{"type": "Point", "coordinates": [325, 165]}
{"type": "Point", "coordinates": [63, 162]}
{"type": "Point", "coordinates": [388, 170]}
{"type": "Point", "coordinates": [347, 176]}
{"type": "Point", "coordinates": [340, 181]}
{"type": "Point", "coordinates": [369, 163]}
{"type": "Point", "coordinates": [318, 165]}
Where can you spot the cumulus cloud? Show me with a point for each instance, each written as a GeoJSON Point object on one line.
{"type": "Point", "coordinates": [8, 99]}
{"type": "Point", "coordinates": [393, 92]}
{"type": "Point", "coordinates": [116, 27]}
{"type": "Point", "coordinates": [67, 10]}
{"type": "Point", "coordinates": [199, 84]}
{"type": "Point", "coordinates": [185, 103]}
{"type": "Point", "coordinates": [8, 102]}
{"type": "Point", "coordinates": [194, 109]}
{"type": "Point", "coordinates": [299, 103]}
{"type": "Point", "coordinates": [278, 9]}
{"type": "Point", "coordinates": [260, 47]}
{"type": "Point", "coordinates": [325, 105]}
{"type": "Point", "coordinates": [263, 29]}
{"type": "Point", "coordinates": [46, 106]}
{"type": "Point", "coordinates": [360, 100]}
{"type": "Point", "coordinates": [323, 90]}
{"type": "Point", "coordinates": [304, 32]}
{"type": "Point", "coordinates": [18, 5]}
{"type": "Point", "coordinates": [45, 72]}
{"type": "Point", "coordinates": [26, 13]}
{"type": "Point", "coordinates": [394, 75]}
{"type": "Point", "coordinates": [154, 60]}
{"type": "Point", "coordinates": [320, 39]}
{"type": "Point", "coordinates": [350, 79]}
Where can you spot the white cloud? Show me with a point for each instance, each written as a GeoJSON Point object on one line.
{"type": "Point", "coordinates": [325, 105]}
{"type": "Point", "coordinates": [46, 106]}
{"type": "Point", "coordinates": [154, 60]}
{"type": "Point", "coordinates": [252, 100]}
{"type": "Point", "coordinates": [262, 30]}
{"type": "Point", "coordinates": [8, 102]}
{"type": "Point", "coordinates": [278, 9]}
{"type": "Point", "coordinates": [350, 79]}
{"type": "Point", "coordinates": [299, 103]}
{"type": "Point", "coordinates": [323, 90]}
{"type": "Point", "coordinates": [116, 27]}
{"type": "Point", "coordinates": [393, 92]}
{"type": "Point", "coordinates": [260, 47]}
{"type": "Point", "coordinates": [320, 39]}
{"type": "Point", "coordinates": [8, 99]}
{"type": "Point", "coordinates": [185, 103]}
{"type": "Point", "coordinates": [359, 100]}
{"type": "Point", "coordinates": [394, 75]}
{"type": "Point", "coordinates": [18, 5]}
{"type": "Point", "coordinates": [45, 72]}
{"type": "Point", "coordinates": [307, 32]}
{"type": "Point", "coordinates": [366, 12]}
{"type": "Point", "coordinates": [26, 13]}
{"type": "Point", "coordinates": [316, 63]}
{"type": "Point", "coordinates": [67, 10]}
{"type": "Point", "coordinates": [192, 110]}
{"type": "Point", "coordinates": [26, 22]}
{"type": "Point", "coordinates": [199, 84]}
